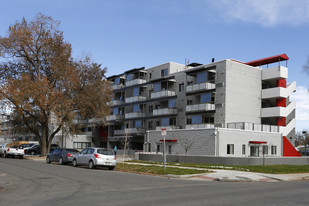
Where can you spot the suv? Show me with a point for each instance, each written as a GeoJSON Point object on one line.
{"type": "Point", "coordinates": [36, 149]}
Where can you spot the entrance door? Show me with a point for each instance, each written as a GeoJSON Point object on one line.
{"type": "Point", "coordinates": [254, 151]}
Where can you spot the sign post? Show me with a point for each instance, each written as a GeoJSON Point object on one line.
{"type": "Point", "coordinates": [163, 133]}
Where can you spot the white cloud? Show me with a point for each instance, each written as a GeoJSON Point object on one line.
{"type": "Point", "coordinates": [263, 12]}
{"type": "Point", "coordinates": [301, 96]}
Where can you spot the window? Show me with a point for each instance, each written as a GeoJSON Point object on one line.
{"type": "Point", "coordinates": [165, 121]}
{"type": "Point", "coordinates": [265, 149]}
{"type": "Point", "coordinates": [150, 125]}
{"type": "Point", "coordinates": [137, 124]}
{"type": "Point", "coordinates": [117, 81]}
{"type": "Point", "coordinates": [169, 149]}
{"type": "Point", "coordinates": [150, 109]}
{"type": "Point", "coordinates": [230, 149]}
{"type": "Point", "coordinates": [201, 77]}
{"type": "Point", "coordinates": [158, 148]}
{"type": "Point", "coordinates": [197, 119]}
{"type": "Point", "coordinates": [273, 150]}
{"type": "Point", "coordinates": [172, 121]}
{"type": "Point", "coordinates": [150, 75]}
{"type": "Point", "coordinates": [189, 102]}
{"type": "Point", "coordinates": [136, 108]}
{"type": "Point", "coordinates": [189, 120]}
{"type": "Point", "coordinates": [205, 98]}
{"type": "Point", "coordinates": [164, 72]}
{"type": "Point", "coordinates": [115, 110]}
{"type": "Point", "coordinates": [129, 77]}
{"type": "Point", "coordinates": [254, 151]}
{"type": "Point", "coordinates": [243, 149]}
{"type": "Point", "coordinates": [172, 103]}
{"type": "Point", "coordinates": [81, 145]}
{"type": "Point", "coordinates": [181, 87]}
{"type": "Point", "coordinates": [135, 91]}
{"type": "Point", "coordinates": [157, 87]}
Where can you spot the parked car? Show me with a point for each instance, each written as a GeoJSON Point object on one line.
{"type": "Point", "coordinates": [25, 146]}
{"type": "Point", "coordinates": [62, 155]}
{"type": "Point", "coordinates": [94, 157]}
{"type": "Point", "coordinates": [36, 149]}
{"type": "Point", "coordinates": [13, 151]}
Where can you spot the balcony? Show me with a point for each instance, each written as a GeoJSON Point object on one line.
{"type": "Point", "coordinates": [169, 127]}
{"type": "Point", "coordinates": [119, 132]}
{"type": "Point", "coordinates": [278, 111]}
{"type": "Point", "coordinates": [200, 87]}
{"type": "Point", "coordinates": [115, 117]}
{"type": "Point", "coordinates": [135, 115]}
{"type": "Point", "coordinates": [200, 107]}
{"type": "Point", "coordinates": [135, 99]}
{"type": "Point", "coordinates": [135, 130]}
{"type": "Point", "coordinates": [199, 126]}
{"type": "Point", "coordinates": [117, 102]}
{"type": "Point", "coordinates": [118, 86]}
{"type": "Point", "coordinates": [165, 111]}
{"type": "Point", "coordinates": [275, 73]}
{"type": "Point", "coordinates": [279, 92]}
{"type": "Point", "coordinates": [253, 127]}
{"type": "Point", "coordinates": [160, 94]}
{"type": "Point", "coordinates": [135, 82]}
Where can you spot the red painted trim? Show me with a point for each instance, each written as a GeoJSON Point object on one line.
{"type": "Point", "coordinates": [268, 60]}
{"type": "Point", "coordinates": [169, 140]}
{"type": "Point", "coordinates": [281, 102]}
{"type": "Point", "coordinates": [257, 142]}
{"type": "Point", "coordinates": [281, 121]}
{"type": "Point", "coordinates": [281, 83]}
{"type": "Point", "coordinates": [288, 149]}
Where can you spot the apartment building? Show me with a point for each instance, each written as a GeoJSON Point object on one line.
{"type": "Point", "coordinates": [222, 108]}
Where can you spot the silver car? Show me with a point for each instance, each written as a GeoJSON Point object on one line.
{"type": "Point", "coordinates": [94, 157]}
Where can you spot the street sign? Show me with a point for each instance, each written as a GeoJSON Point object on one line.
{"type": "Point", "coordinates": [163, 131]}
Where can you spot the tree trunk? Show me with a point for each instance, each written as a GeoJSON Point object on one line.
{"type": "Point", "coordinates": [45, 143]}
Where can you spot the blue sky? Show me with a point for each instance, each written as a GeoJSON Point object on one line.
{"type": "Point", "coordinates": [125, 34]}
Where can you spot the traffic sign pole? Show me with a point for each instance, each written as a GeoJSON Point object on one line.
{"type": "Point", "coordinates": [163, 133]}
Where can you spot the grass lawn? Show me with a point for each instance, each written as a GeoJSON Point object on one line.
{"type": "Point", "coordinates": [156, 170]}
{"type": "Point", "coordinates": [272, 169]}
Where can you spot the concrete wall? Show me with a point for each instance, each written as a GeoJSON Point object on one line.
{"type": "Point", "coordinates": [224, 160]}
{"type": "Point", "coordinates": [198, 141]}
{"type": "Point", "coordinates": [242, 137]}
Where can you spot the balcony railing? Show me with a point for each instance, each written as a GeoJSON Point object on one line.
{"type": "Point", "coordinates": [167, 127]}
{"type": "Point", "coordinates": [200, 86]}
{"type": "Point", "coordinates": [135, 130]}
{"type": "Point", "coordinates": [135, 115]}
{"type": "Point", "coordinates": [275, 73]}
{"type": "Point", "coordinates": [162, 94]}
{"type": "Point", "coordinates": [253, 127]}
{"type": "Point", "coordinates": [135, 82]}
{"type": "Point", "coordinates": [165, 111]}
{"type": "Point", "coordinates": [199, 126]}
{"type": "Point", "coordinates": [115, 117]}
{"type": "Point", "coordinates": [118, 86]}
{"type": "Point", "coordinates": [135, 99]}
{"type": "Point", "coordinates": [200, 107]}
{"type": "Point", "coordinates": [119, 132]}
{"type": "Point", "coordinates": [117, 102]}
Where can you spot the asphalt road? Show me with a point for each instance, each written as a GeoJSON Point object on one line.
{"type": "Point", "coordinates": [27, 182]}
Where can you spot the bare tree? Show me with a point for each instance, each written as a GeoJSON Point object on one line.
{"type": "Point", "coordinates": [186, 143]}
{"type": "Point", "coordinates": [44, 85]}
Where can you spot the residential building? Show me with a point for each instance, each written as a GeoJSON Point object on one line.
{"type": "Point", "coordinates": [249, 106]}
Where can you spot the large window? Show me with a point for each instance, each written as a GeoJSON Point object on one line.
{"type": "Point", "coordinates": [129, 77]}
{"type": "Point", "coordinates": [81, 145]}
{"type": "Point", "coordinates": [165, 121]}
{"type": "Point", "coordinates": [172, 103]}
{"type": "Point", "coordinates": [136, 108]}
{"type": "Point", "coordinates": [201, 77]}
{"type": "Point", "coordinates": [205, 98]}
{"type": "Point", "coordinates": [136, 91]}
{"type": "Point", "coordinates": [157, 86]}
{"type": "Point", "coordinates": [117, 81]}
{"type": "Point", "coordinates": [197, 119]}
{"type": "Point", "coordinates": [138, 123]}
{"type": "Point", "coordinates": [230, 149]}
{"type": "Point", "coordinates": [115, 111]}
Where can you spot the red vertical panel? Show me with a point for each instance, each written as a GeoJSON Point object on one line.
{"type": "Point", "coordinates": [281, 121]}
{"type": "Point", "coordinates": [288, 149]}
{"type": "Point", "coordinates": [281, 83]}
{"type": "Point", "coordinates": [281, 102]}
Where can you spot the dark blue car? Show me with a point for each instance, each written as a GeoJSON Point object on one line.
{"type": "Point", "coordinates": [61, 155]}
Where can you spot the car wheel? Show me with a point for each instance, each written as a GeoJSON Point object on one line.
{"type": "Point", "coordinates": [60, 161]}
{"type": "Point", "coordinates": [47, 160]}
{"type": "Point", "coordinates": [91, 165]}
{"type": "Point", "coordinates": [74, 163]}
{"type": "Point", "coordinates": [4, 155]}
{"type": "Point", "coordinates": [32, 152]}
{"type": "Point", "coordinates": [21, 157]}
{"type": "Point", "coordinates": [111, 168]}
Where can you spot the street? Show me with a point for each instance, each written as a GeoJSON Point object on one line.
{"type": "Point", "coordinates": [28, 182]}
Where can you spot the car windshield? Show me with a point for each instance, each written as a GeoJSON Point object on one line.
{"type": "Point", "coordinates": [105, 152]}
